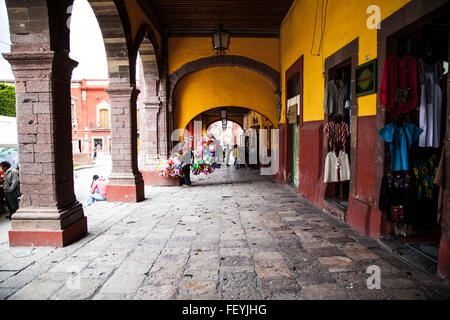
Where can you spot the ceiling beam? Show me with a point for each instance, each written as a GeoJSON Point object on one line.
{"type": "Point", "coordinates": [234, 32]}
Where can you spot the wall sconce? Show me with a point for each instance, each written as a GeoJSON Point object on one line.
{"type": "Point", "coordinates": [221, 40]}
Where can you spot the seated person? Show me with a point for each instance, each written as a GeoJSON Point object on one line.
{"type": "Point", "coordinates": [2, 194]}
{"type": "Point", "coordinates": [98, 190]}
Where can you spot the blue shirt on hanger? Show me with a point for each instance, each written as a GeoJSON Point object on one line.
{"type": "Point", "coordinates": [401, 139]}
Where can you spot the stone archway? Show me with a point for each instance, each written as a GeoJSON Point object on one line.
{"type": "Point", "coordinates": [149, 51]}
{"type": "Point", "coordinates": [116, 32]}
{"type": "Point", "coordinates": [154, 115]}
{"type": "Point", "coordinates": [125, 182]}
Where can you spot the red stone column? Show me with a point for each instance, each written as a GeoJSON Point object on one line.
{"type": "Point", "coordinates": [149, 142]}
{"type": "Point", "coordinates": [125, 182]}
{"type": "Point", "coordinates": [153, 133]}
{"type": "Point", "coordinates": [164, 125]}
{"type": "Point", "coordinates": [150, 131]}
{"type": "Point", "coordinates": [49, 213]}
{"type": "Point", "coordinates": [149, 125]}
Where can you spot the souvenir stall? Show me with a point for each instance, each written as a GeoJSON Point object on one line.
{"type": "Point", "coordinates": [337, 129]}
{"type": "Point", "coordinates": [413, 90]}
{"type": "Point", "coordinates": [204, 157]}
{"type": "Point", "coordinates": [204, 161]}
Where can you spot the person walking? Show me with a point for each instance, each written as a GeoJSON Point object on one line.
{"type": "Point", "coordinates": [98, 190]}
{"type": "Point", "coordinates": [97, 148]}
{"type": "Point", "coordinates": [227, 155]}
{"type": "Point", "coordinates": [187, 159]}
{"type": "Point", "coordinates": [2, 193]}
{"type": "Point", "coordinates": [218, 155]}
{"type": "Point", "coordinates": [11, 187]}
{"type": "Point", "coordinates": [235, 155]}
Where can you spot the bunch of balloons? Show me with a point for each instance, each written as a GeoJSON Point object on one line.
{"type": "Point", "coordinates": [204, 157]}
{"type": "Point", "coordinates": [202, 166]}
{"type": "Point", "coordinates": [170, 168]}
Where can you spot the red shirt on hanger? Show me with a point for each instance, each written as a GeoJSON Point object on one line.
{"type": "Point", "coordinates": [399, 72]}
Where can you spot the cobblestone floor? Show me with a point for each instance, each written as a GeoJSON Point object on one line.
{"type": "Point", "coordinates": [233, 235]}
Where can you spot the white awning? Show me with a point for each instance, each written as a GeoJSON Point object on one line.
{"type": "Point", "coordinates": [8, 131]}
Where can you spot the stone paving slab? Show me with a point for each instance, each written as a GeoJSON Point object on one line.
{"type": "Point", "coordinates": [234, 235]}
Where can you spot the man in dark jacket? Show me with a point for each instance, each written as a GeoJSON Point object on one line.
{"type": "Point", "coordinates": [187, 159]}
{"type": "Point", "coordinates": [11, 186]}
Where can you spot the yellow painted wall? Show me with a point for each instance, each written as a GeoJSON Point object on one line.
{"type": "Point", "coordinates": [346, 21]}
{"type": "Point", "coordinates": [223, 86]}
{"type": "Point", "coordinates": [184, 50]}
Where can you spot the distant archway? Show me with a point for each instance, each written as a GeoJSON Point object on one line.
{"type": "Point", "coordinates": [147, 47]}
{"type": "Point", "coordinates": [223, 86]}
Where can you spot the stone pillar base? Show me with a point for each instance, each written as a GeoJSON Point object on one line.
{"type": "Point", "coordinates": [125, 187]}
{"type": "Point", "coordinates": [152, 178]}
{"type": "Point", "coordinates": [42, 227]}
{"type": "Point", "coordinates": [125, 193]}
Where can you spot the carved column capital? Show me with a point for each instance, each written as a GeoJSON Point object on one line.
{"type": "Point", "coordinates": [153, 103]}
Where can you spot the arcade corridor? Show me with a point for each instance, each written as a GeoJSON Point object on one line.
{"type": "Point", "coordinates": [173, 68]}
{"type": "Point", "coordinates": [224, 238]}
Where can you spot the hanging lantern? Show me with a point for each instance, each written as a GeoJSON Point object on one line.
{"type": "Point", "coordinates": [221, 40]}
{"type": "Point", "coordinates": [223, 117]}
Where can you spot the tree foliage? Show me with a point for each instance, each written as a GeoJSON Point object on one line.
{"type": "Point", "coordinates": [7, 100]}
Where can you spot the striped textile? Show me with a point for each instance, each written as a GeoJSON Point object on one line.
{"type": "Point", "coordinates": [337, 134]}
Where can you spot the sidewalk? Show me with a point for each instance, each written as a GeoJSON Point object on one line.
{"type": "Point", "coordinates": [233, 235]}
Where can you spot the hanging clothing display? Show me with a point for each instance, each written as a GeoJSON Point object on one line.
{"type": "Point", "coordinates": [399, 92]}
{"type": "Point", "coordinates": [337, 134]}
{"type": "Point", "coordinates": [430, 104]}
{"type": "Point", "coordinates": [397, 197]}
{"type": "Point", "coordinates": [336, 93]}
{"type": "Point", "coordinates": [401, 139]}
{"type": "Point", "coordinates": [425, 173]}
{"type": "Point", "coordinates": [427, 192]}
{"type": "Point", "coordinates": [337, 168]}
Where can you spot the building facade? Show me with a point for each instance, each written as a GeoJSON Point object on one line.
{"type": "Point", "coordinates": [91, 116]}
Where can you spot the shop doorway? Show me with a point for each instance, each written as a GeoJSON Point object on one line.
{"type": "Point", "coordinates": [338, 192]}
{"type": "Point", "coordinates": [293, 105]}
{"type": "Point", "coordinates": [426, 41]}
{"type": "Point", "coordinates": [340, 129]}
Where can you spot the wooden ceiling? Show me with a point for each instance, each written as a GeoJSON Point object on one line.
{"type": "Point", "coordinates": [200, 17]}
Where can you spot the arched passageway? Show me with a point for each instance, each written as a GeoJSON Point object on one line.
{"type": "Point", "coordinates": [42, 70]}
{"type": "Point", "coordinates": [223, 86]}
